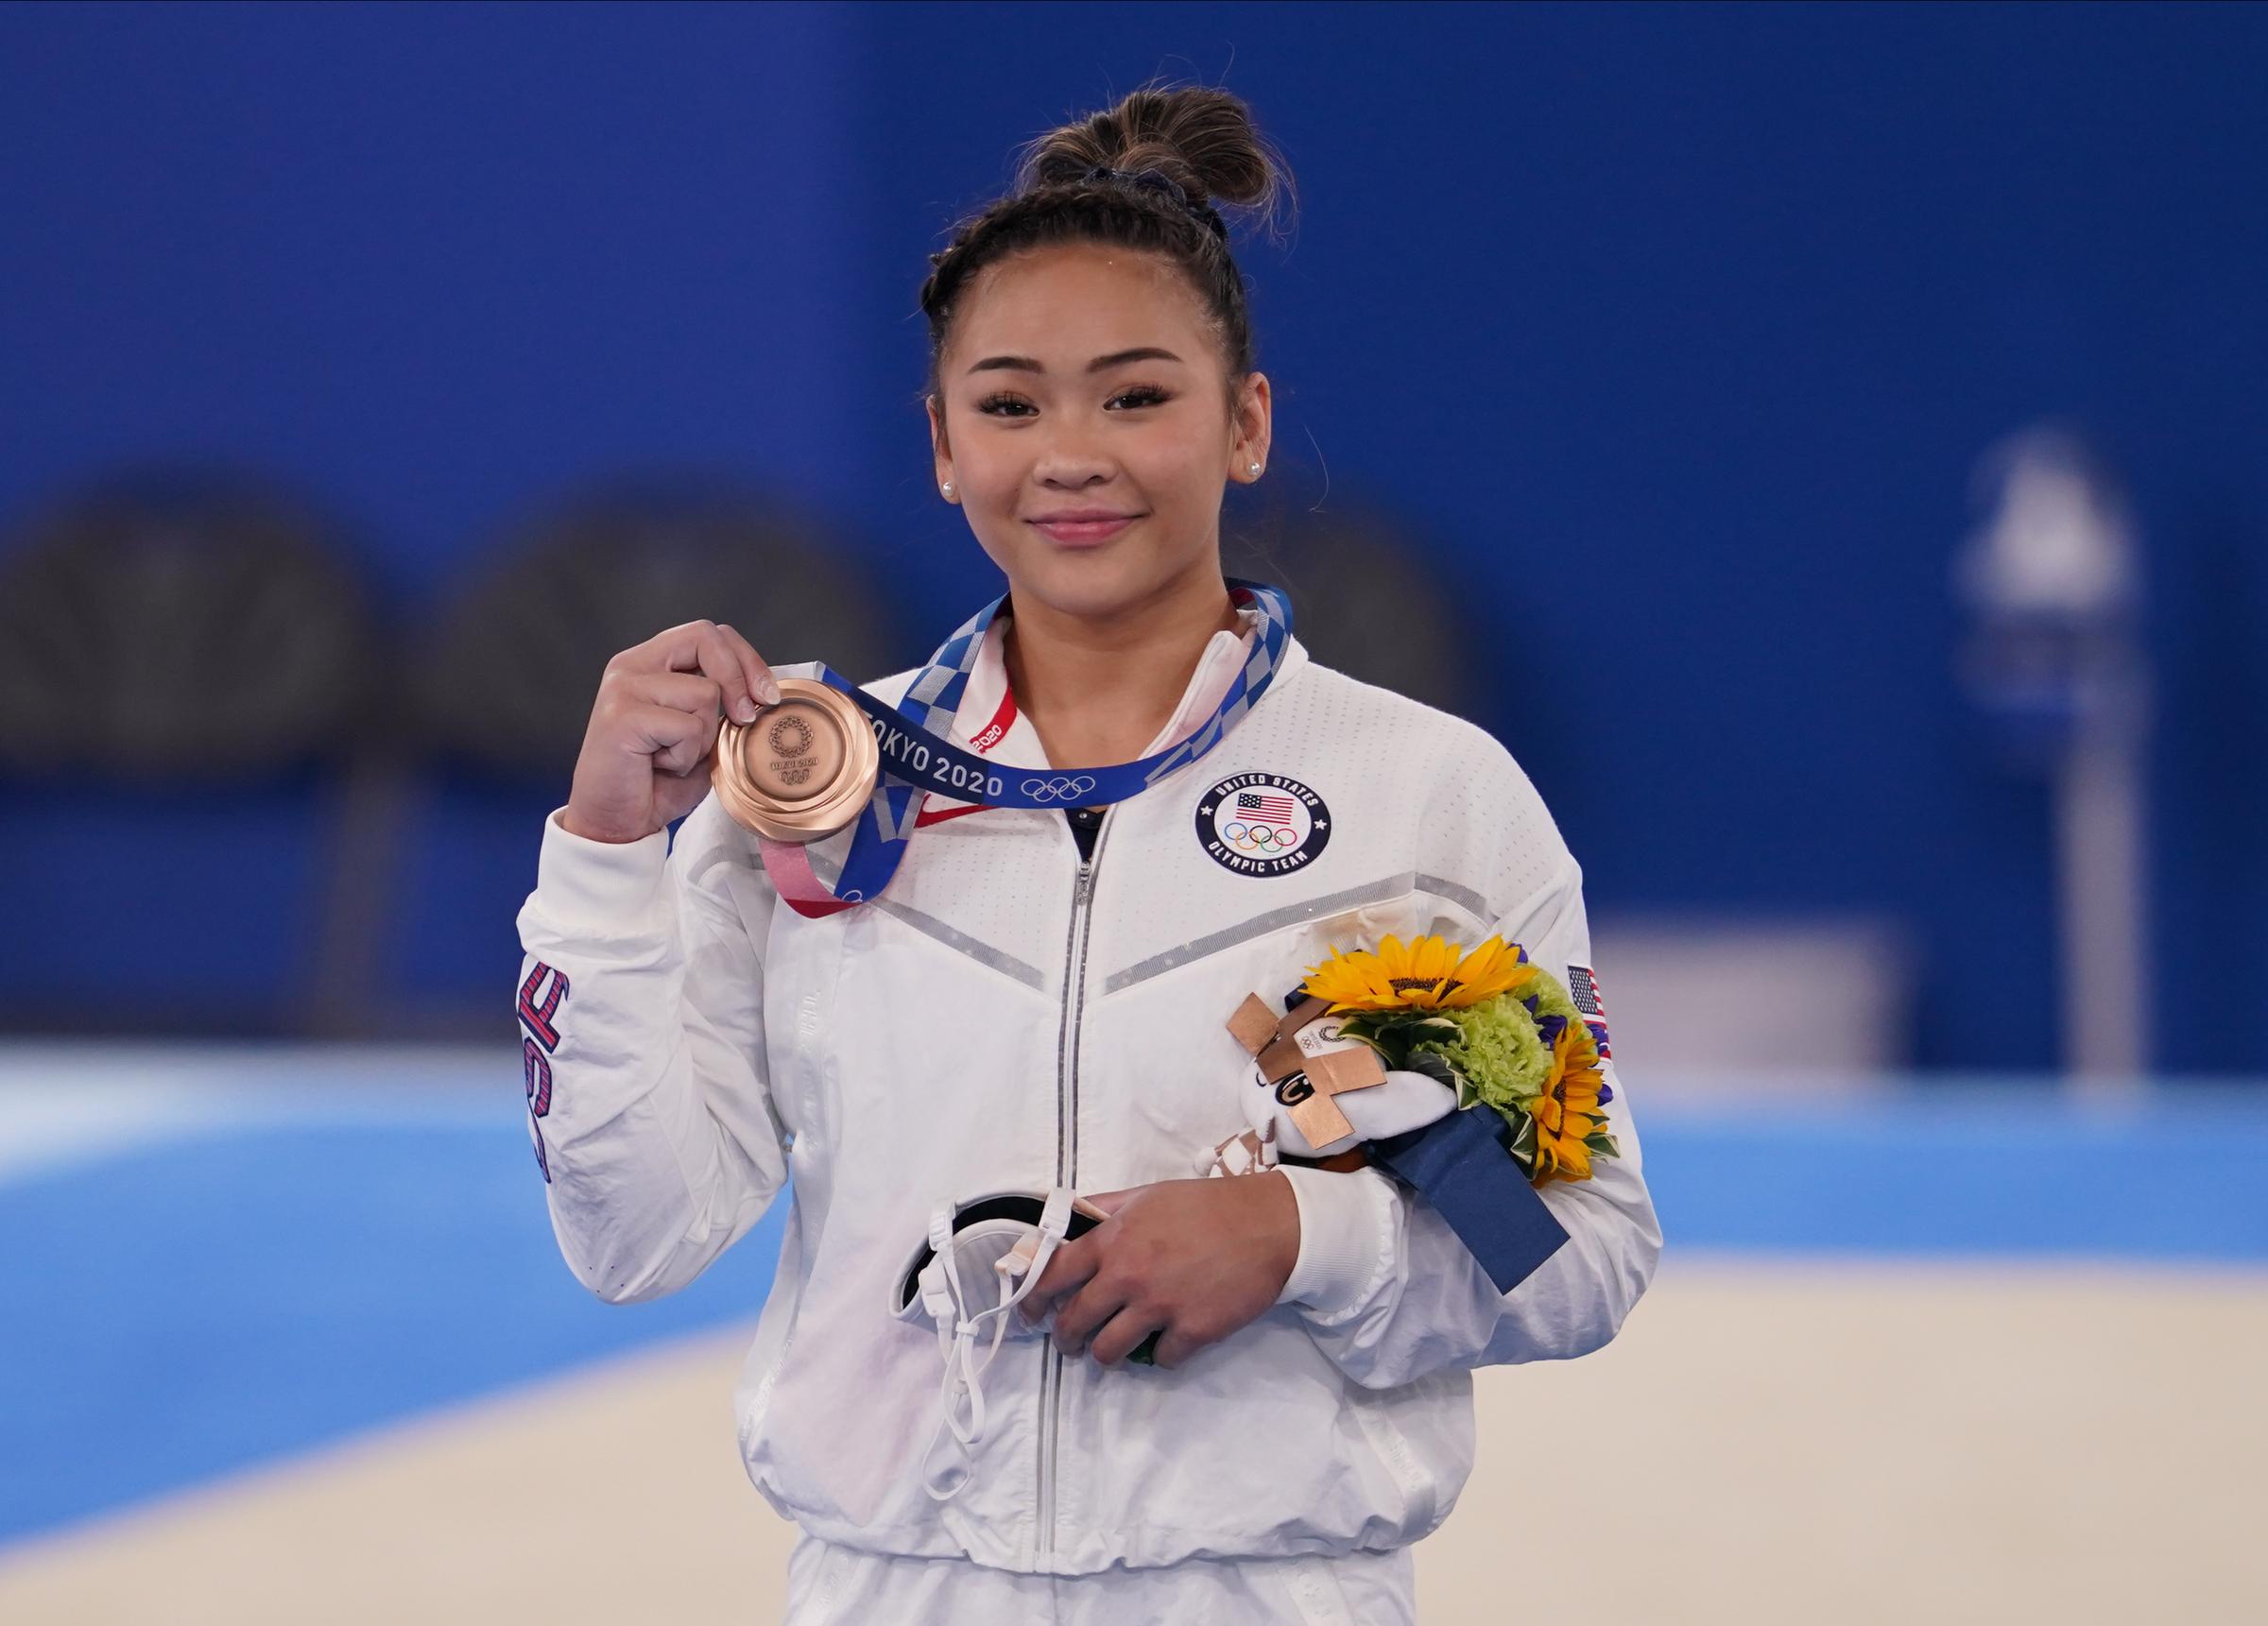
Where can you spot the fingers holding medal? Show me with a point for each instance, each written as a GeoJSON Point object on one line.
{"type": "Point", "coordinates": [654, 725]}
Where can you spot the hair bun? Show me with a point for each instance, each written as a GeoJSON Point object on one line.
{"type": "Point", "coordinates": [1200, 138]}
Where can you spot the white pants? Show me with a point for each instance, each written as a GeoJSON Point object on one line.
{"type": "Point", "coordinates": [831, 1585]}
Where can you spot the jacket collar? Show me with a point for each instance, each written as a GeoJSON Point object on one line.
{"type": "Point", "coordinates": [990, 723]}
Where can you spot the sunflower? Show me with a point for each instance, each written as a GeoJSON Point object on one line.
{"type": "Point", "coordinates": [1494, 968]}
{"type": "Point", "coordinates": [1427, 974]}
{"type": "Point", "coordinates": [1569, 1117]}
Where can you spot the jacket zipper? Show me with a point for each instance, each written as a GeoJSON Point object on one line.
{"type": "Point", "coordinates": [1067, 1159]}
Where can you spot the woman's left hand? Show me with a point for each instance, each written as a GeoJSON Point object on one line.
{"type": "Point", "coordinates": [1196, 1258]}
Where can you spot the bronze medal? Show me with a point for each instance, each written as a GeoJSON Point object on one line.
{"type": "Point", "coordinates": [803, 769]}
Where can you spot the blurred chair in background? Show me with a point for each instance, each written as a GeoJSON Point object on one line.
{"type": "Point", "coordinates": [170, 628]}
{"type": "Point", "coordinates": [498, 693]}
{"type": "Point", "coordinates": [1366, 600]}
{"type": "Point", "coordinates": [183, 661]}
{"type": "Point", "coordinates": [506, 682]}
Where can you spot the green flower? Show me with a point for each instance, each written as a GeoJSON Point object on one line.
{"type": "Point", "coordinates": [1487, 1052]}
{"type": "Point", "coordinates": [1499, 1052]}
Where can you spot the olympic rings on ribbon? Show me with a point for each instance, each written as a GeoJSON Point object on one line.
{"type": "Point", "coordinates": [1060, 788]}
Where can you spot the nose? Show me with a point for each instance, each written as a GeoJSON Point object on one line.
{"type": "Point", "coordinates": [1065, 467]}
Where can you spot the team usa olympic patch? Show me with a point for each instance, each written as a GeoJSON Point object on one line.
{"type": "Point", "coordinates": [1263, 824]}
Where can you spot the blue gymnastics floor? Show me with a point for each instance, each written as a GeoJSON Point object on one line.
{"type": "Point", "coordinates": [256, 1271]}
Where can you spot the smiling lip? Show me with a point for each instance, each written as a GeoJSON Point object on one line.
{"type": "Point", "coordinates": [1078, 527]}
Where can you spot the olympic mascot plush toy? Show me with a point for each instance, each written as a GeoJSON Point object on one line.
{"type": "Point", "coordinates": [1317, 1094]}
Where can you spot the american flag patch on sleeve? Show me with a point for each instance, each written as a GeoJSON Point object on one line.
{"type": "Point", "coordinates": [1583, 987]}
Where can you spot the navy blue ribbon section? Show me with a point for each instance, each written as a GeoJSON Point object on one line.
{"type": "Point", "coordinates": [1457, 1164]}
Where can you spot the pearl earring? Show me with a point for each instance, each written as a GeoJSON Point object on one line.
{"type": "Point", "coordinates": [947, 488]}
{"type": "Point", "coordinates": [1252, 468]}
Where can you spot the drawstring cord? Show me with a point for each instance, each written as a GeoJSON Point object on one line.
{"type": "Point", "coordinates": [957, 1333]}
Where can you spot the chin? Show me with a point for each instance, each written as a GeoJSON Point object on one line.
{"type": "Point", "coordinates": [1099, 583]}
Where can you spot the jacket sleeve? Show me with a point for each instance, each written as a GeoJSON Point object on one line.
{"type": "Point", "coordinates": [641, 1011]}
{"type": "Point", "coordinates": [1387, 1287]}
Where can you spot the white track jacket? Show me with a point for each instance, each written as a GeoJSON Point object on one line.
{"type": "Point", "coordinates": [1008, 1017]}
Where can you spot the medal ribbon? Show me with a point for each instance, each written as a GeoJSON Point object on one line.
{"type": "Point", "coordinates": [918, 758]}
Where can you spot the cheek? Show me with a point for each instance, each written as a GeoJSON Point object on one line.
{"type": "Point", "coordinates": [989, 474]}
{"type": "Point", "coordinates": [1177, 470]}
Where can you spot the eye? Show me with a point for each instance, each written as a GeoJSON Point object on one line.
{"type": "Point", "coordinates": [1006, 406]}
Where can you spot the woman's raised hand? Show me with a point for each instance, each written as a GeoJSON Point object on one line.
{"type": "Point", "coordinates": [644, 763]}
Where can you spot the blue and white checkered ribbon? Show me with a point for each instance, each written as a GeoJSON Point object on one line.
{"type": "Point", "coordinates": [918, 754]}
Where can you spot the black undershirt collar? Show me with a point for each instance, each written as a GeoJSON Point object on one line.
{"type": "Point", "coordinates": [1085, 822]}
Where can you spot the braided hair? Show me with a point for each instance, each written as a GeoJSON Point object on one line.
{"type": "Point", "coordinates": [1146, 174]}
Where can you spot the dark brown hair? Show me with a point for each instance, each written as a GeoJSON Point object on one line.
{"type": "Point", "coordinates": [1194, 148]}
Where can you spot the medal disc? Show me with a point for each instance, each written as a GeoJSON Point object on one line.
{"type": "Point", "coordinates": [802, 770]}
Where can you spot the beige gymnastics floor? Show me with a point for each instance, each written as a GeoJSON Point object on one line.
{"type": "Point", "coordinates": [1819, 1444]}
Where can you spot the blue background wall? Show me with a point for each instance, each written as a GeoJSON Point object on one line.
{"type": "Point", "coordinates": [1678, 332]}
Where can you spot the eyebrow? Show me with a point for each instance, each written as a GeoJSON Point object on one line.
{"type": "Point", "coordinates": [1101, 363]}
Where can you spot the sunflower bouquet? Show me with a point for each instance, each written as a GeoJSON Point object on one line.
{"type": "Point", "coordinates": [1494, 1027]}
